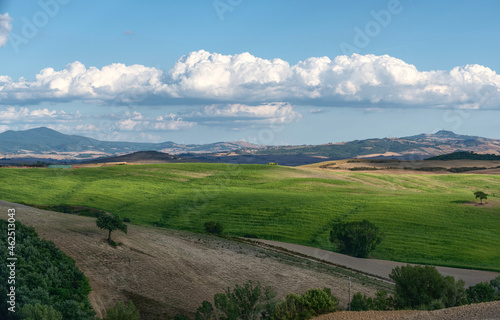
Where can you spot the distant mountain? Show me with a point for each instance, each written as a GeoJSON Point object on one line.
{"type": "Point", "coordinates": [466, 155]}
{"type": "Point", "coordinates": [409, 148]}
{"type": "Point", "coordinates": [48, 143]}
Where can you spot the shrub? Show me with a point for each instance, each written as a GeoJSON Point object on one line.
{"type": "Point", "coordinates": [357, 238]}
{"type": "Point", "coordinates": [454, 292]}
{"type": "Point", "coordinates": [290, 308]}
{"type": "Point", "coordinates": [312, 303]}
{"type": "Point", "coordinates": [417, 286]}
{"type": "Point", "coordinates": [213, 227]}
{"type": "Point", "coordinates": [361, 302]}
{"type": "Point", "coordinates": [381, 302]}
{"type": "Point", "coordinates": [38, 311]}
{"type": "Point", "coordinates": [481, 292]}
{"type": "Point", "coordinates": [250, 301]}
{"type": "Point", "coordinates": [495, 284]}
{"type": "Point", "coordinates": [123, 311]}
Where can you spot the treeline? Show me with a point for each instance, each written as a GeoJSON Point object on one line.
{"type": "Point", "coordinates": [465, 155]}
{"type": "Point", "coordinates": [416, 288]}
{"type": "Point", "coordinates": [424, 288]}
{"type": "Point", "coordinates": [48, 285]}
{"type": "Point", "coordinates": [253, 301]}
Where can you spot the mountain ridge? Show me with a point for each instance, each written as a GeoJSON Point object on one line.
{"type": "Point", "coordinates": [46, 143]}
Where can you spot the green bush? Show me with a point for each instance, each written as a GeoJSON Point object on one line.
{"type": "Point", "coordinates": [39, 312]}
{"type": "Point", "coordinates": [123, 311]}
{"type": "Point", "coordinates": [46, 279]}
{"type": "Point", "coordinates": [250, 301]}
{"type": "Point", "coordinates": [357, 238]}
{"type": "Point", "coordinates": [213, 227]}
{"type": "Point", "coordinates": [481, 292]}
{"type": "Point", "coordinates": [454, 292]}
{"type": "Point", "coordinates": [495, 284]}
{"type": "Point", "coordinates": [312, 303]}
{"type": "Point", "coordinates": [361, 302]}
{"type": "Point", "coordinates": [424, 288]}
{"type": "Point", "coordinates": [381, 302]}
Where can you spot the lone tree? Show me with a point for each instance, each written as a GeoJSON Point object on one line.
{"type": "Point", "coordinates": [481, 195]}
{"type": "Point", "coordinates": [110, 223]}
{"type": "Point", "coordinates": [357, 238]}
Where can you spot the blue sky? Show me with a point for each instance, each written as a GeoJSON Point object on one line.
{"type": "Point", "coordinates": [269, 72]}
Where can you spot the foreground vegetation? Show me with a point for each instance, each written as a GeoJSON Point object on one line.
{"type": "Point", "coordinates": [424, 288]}
{"type": "Point", "coordinates": [423, 217]}
{"type": "Point", "coordinates": [47, 283]}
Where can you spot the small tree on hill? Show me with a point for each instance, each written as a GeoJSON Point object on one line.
{"type": "Point", "coordinates": [481, 195]}
{"type": "Point", "coordinates": [357, 238]}
{"type": "Point", "coordinates": [111, 223]}
{"type": "Point", "coordinates": [213, 227]}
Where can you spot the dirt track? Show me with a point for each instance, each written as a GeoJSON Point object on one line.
{"type": "Point", "coordinates": [381, 268]}
{"type": "Point", "coordinates": [166, 271]}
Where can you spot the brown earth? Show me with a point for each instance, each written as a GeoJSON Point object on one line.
{"type": "Point", "coordinates": [480, 311]}
{"type": "Point", "coordinates": [168, 272]}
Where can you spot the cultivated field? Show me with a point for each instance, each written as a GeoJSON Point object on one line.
{"type": "Point", "coordinates": [427, 218]}
{"type": "Point", "coordinates": [165, 272]}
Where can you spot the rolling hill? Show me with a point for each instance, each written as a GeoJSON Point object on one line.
{"type": "Point", "coordinates": [407, 148]}
{"type": "Point", "coordinates": [165, 272]}
{"type": "Point", "coordinates": [427, 218]}
{"type": "Point", "coordinates": [47, 143]}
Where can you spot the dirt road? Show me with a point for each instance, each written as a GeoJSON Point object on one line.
{"type": "Point", "coordinates": [380, 268]}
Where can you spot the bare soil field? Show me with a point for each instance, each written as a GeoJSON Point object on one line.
{"type": "Point", "coordinates": [480, 311]}
{"type": "Point", "coordinates": [165, 272]}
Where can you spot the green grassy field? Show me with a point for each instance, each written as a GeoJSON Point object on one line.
{"type": "Point", "coordinates": [423, 217]}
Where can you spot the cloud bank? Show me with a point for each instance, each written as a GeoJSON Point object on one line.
{"type": "Point", "coordinates": [210, 78]}
{"type": "Point", "coordinates": [237, 115]}
{"type": "Point", "coordinates": [5, 28]}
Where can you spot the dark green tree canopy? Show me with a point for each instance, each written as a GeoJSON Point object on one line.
{"type": "Point", "coordinates": [422, 286]}
{"type": "Point", "coordinates": [356, 238]}
{"type": "Point", "coordinates": [111, 223]}
{"type": "Point", "coordinates": [481, 195]}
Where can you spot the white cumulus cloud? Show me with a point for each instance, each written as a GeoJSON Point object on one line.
{"type": "Point", "coordinates": [5, 29]}
{"type": "Point", "coordinates": [206, 78]}
{"type": "Point", "coordinates": [241, 115]}
{"type": "Point", "coordinates": [135, 121]}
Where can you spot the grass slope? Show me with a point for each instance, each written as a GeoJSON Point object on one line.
{"type": "Point", "coordinates": [423, 216]}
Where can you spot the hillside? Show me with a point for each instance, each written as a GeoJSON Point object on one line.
{"type": "Point", "coordinates": [407, 148]}
{"type": "Point", "coordinates": [43, 144]}
{"type": "Point", "coordinates": [464, 155]}
{"type": "Point", "coordinates": [427, 218]}
{"type": "Point", "coordinates": [427, 166]}
{"type": "Point", "coordinates": [165, 272]}
{"type": "Point", "coordinates": [46, 143]}
{"type": "Point", "coordinates": [140, 157]}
